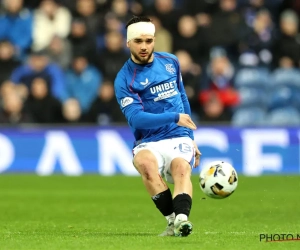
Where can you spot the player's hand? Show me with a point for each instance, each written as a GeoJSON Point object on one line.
{"type": "Point", "coordinates": [186, 121]}
{"type": "Point", "coordinates": [197, 155]}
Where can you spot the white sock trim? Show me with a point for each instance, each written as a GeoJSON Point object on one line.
{"type": "Point", "coordinates": [181, 217]}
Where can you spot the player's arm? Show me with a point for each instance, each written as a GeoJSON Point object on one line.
{"type": "Point", "coordinates": [132, 108]}
{"type": "Point", "coordinates": [139, 119]}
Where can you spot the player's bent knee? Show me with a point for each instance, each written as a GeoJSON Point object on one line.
{"type": "Point", "coordinates": [180, 167]}
{"type": "Point", "coordinates": [144, 158]}
{"type": "Point", "coordinates": [146, 164]}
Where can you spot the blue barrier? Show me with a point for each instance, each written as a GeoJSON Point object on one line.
{"type": "Point", "coordinates": [108, 150]}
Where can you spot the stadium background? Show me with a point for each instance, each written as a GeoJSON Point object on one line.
{"type": "Point", "coordinates": [67, 181]}
{"type": "Point", "coordinates": [58, 59]}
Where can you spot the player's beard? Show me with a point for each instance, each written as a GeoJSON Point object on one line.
{"type": "Point", "coordinates": [142, 60]}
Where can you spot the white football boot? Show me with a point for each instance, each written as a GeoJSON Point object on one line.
{"type": "Point", "coordinates": [169, 231]}
{"type": "Point", "coordinates": [182, 227]}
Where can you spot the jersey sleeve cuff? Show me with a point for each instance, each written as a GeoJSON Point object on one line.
{"type": "Point", "coordinates": [176, 117]}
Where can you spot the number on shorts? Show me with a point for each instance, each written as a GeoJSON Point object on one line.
{"type": "Point", "coordinates": [184, 148]}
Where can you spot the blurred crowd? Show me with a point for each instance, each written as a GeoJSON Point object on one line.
{"type": "Point", "coordinates": [240, 59]}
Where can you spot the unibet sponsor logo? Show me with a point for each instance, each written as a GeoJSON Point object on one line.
{"type": "Point", "coordinates": [164, 90]}
{"type": "Point", "coordinates": [163, 87]}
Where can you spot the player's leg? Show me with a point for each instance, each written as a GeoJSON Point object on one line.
{"type": "Point", "coordinates": [181, 172]}
{"type": "Point", "coordinates": [147, 164]}
{"type": "Point", "coordinates": [182, 195]}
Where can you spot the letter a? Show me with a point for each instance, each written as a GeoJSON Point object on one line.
{"type": "Point", "coordinates": [58, 147]}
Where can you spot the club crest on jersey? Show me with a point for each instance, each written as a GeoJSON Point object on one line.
{"type": "Point", "coordinates": [170, 68]}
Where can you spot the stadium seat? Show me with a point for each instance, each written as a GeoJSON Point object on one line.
{"type": "Point", "coordinates": [252, 97]}
{"type": "Point", "coordinates": [284, 96]}
{"type": "Point", "coordinates": [288, 116]}
{"type": "Point", "coordinates": [252, 116]}
{"type": "Point", "coordinates": [252, 77]}
{"type": "Point", "coordinates": [290, 77]}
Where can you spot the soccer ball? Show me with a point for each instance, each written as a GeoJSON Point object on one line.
{"type": "Point", "coordinates": [218, 179]}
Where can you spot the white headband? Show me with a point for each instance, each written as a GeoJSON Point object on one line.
{"type": "Point", "coordinates": [141, 28]}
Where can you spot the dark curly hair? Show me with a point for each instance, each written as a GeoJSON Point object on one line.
{"type": "Point", "coordinates": [137, 19]}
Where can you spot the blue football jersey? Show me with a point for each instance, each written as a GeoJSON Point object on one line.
{"type": "Point", "coordinates": [151, 96]}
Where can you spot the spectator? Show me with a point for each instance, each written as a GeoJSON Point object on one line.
{"type": "Point", "coordinates": [201, 10]}
{"type": "Point", "coordinates": [260, 38]}
{"type": "Point", "coordinates": [105, 108]}
{"type": "Point", "coordinates": [191, 75]}
{"type": "Point", "coordinates": [137, 7]}
{"type": "Point", "coordinates": [16, 26]}
{"type": "Point", "coordinates": [165, 11]}
{"type": "Point", "coordinates": [7, 60]}
{"type": "Point", "coordinates": [113, 56]}
{"type": "Point", "coordinates": [220, 71]}
{"type": "Point", "coordinates": [110, 23]}
{"type": "Point", "coordinates": [121, 9]}
{"type": "Point", "coordinates": [82, 82]}
{"type": "Point", "coordinates": [163, 38]}
{"type": "Point", "coordinates": [38, 65]}
{"type": "Point", "coordinates": [189, 38]}
{"type": "Point", "coordinates": [81, 41]}
{"type": "Point", "coordinates": [220, 79]}
{"type": "Point", "coordinates": [71, 111]}
{"type": "Point", "coordinates": [59, 52]}
{"type": "Point", "coordinates": [6, 88]}
{"type": "Point", "coordinates": [50, 19]}
{"type": "Point", "coordinates": [250, 9]}
{"type": "Point", "coordinates": [226, 28]}
{"type": "Point", "coordinates": [287, 45]}
{"type": "Point", "coordinates": [12, 109]}
{"type": "Point", "coordinates": [214, 111]}
{"type": "Point", "coordinates": [41, 105]}
{"type": "Point", "coordinates": [86, 11]}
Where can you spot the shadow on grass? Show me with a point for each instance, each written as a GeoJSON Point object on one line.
{"type": "Point", "coordinates": [129, 234]}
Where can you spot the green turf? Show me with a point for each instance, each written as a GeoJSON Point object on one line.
{"type": "Point", "coordinates": [94, 212]}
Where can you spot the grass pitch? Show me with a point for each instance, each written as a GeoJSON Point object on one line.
{"type": "Point", "coordinates": [94, 212]}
